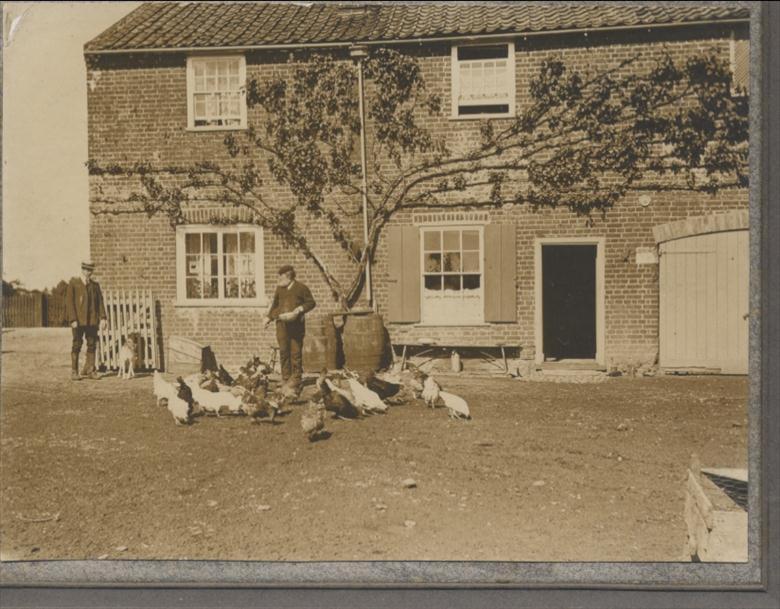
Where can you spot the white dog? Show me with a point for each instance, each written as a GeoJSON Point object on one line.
{"type": "Point", "coordinates": [127, 358]}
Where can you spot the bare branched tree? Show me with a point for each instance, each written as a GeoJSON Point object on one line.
{"type": "Point", "coordinates": [582, 141]}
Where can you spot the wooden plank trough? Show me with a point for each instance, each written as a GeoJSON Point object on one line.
{"type": "Point", "coordinates": [716, 514]}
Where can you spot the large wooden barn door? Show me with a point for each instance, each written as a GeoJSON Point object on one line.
{"type": "Point", "coordinates": [704, 302]}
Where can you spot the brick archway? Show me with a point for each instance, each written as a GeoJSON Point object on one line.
{"type": "Point", "coordinates": [700, 225]}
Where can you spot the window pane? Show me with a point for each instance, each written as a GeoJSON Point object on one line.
{"type": "Point", "coordinates": [231, 287]}
{"type": "Point", "coordinates": [432, 241]}
{"type": "Point", "coordinates": [433, 282]}
{"type": "Point", "coordinates": [248, 288]}
{"type": "Point", "coordinates": [471, 240]}
{"type": "Point", "coordinates": [193, 265]}
{"type": "Point", "coordinates": [451, 240]}
{"type": "Point", "coordinates": [233, 83]}
{"type": "Point", "coordinates": [200, 83]}
{"type": "Point", "coordinates": [200, 106]}
{"type": "Point", "coordinates": [193, 287]}
{"type": "Point", "coordinates": [211, 289]}
{"type": "Point", "coordinates": [432, 263]}
{"type": "Point", "coordinates": [471, 282]}
{"type": "Point", "coordinates": [230, 243]}
{"type": "Point", "coordinates": [230, 265]}
{"type": "Point", "coordinates": [199, 68]}
{"type": "Point", "coordinates": [452, 262]}
{"type": "Point", "coordinates": [452, 282]}
{"type": "Point", "coordinates": [247, 265]}
{"type": "Point", "coordinates": [483, 51]}
{"type": "Point", "coordinates": [192, 243]}
{"type": "Point", "coordinates": [222, 82]}
{"type": "Point", "coordinates": [471, 262]}
{"type": "Point", "coordinates": [209, 243]}
{"type": "Point", "coordinates": [213, 267]}
{"type": "Point", "coordinates": [233, 67]}
{"type": "Point", "coordinates": [211, 68]}
{"type": "Point", "coordinates": [211, 106]}
{"type": "Point", "coordinates": [247, 243]}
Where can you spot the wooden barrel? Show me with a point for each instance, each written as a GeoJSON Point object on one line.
{"type": "Point", "coordinates": [319, 344]}
{"type": "Point", "coordinates": [363, 340]}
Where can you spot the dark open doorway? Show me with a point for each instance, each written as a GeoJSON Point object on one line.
{"type": "Point", "coordinates": [569, 301]}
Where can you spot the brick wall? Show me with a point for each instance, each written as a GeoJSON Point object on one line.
{"type": "Point", "coordinates": [137, 112]}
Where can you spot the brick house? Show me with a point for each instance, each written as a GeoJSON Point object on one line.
{"type": "Point", "coordinates": [543, 283]}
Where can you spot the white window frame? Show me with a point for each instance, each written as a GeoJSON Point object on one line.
{"type": "Point", "coordinates": [442, 319]}
{"type": "Point", "coordinates": [260, 299]}
{"type": "Point", "coordinates": [455, 81]}
{"type": "Point", "coordinates": [191, 60]}
{"type": "Point", "coordinates": [733, 61]}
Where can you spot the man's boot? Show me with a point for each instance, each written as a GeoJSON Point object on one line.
{"type": "Point", "coordinates": [74, 367]}
{"type": "Point", "coordinates": [89, 366]}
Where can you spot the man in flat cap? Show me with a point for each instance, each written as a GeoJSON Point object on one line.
{"type": "Point", "coordinates": [86, 312]}
{"type": "Point", "coordinates": [292, 300]}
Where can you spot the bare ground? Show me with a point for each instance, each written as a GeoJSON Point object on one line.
{"type": "Point", "coordinates": [544, 471]}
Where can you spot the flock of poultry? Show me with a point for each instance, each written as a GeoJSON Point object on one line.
{"type": "Point", "coordinates": [345, 393]}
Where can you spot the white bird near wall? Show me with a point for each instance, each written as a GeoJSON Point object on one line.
{"type": "Point", "coordinates": [456, 405]}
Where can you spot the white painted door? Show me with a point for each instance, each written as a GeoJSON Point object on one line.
{"type": "Point", "coordinates": [704, 302]}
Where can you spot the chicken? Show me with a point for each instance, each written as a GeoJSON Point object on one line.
{"type": "Point", "coordinates": [224, 377]}
{"type": "Point", "coordinates": [181, 410]}
{"type": "Point", "coordinates": [163, 390]}
{"type": "Point", "coordinates": [366, 399]}
{"type": "Point", "coordinates": [213, 402]}
{"type": "Point", "coordinates": [313, 420]}
{"type": "Point", "coordinates": [259, 407]}
{"type": "Point", "coordinates": [382, 386]}
{"type": "Point", "coordinates": [456, 405]}
{"type": "Point", "coordinates": [431, 391]}
{"type": "Point", "coordinates": [335, 401]}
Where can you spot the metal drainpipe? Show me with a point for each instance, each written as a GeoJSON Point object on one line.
{"type": "Point", "coordinates": [359, 53]}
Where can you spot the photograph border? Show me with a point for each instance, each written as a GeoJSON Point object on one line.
{"type": "Point", "coordinates": [497, 584]}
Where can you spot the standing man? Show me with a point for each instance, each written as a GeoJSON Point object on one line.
{"type": "Point", "coordinates": [291, 302]}
{"type": "Point", "coordinates": [85, 311]}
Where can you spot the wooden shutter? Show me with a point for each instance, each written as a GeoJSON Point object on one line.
{"type": "Point", "coordinates": [500, 273]}
{"type": "Point", "coordinates": [403, 265]}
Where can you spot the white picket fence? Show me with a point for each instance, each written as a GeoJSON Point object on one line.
{"type": "Point", "coordinates": [129, 312]}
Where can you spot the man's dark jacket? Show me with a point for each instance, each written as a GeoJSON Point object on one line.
{"type": "Point", "coordinates": [84, 303]}
{"type": "Point", "coordinates": [287, 299]}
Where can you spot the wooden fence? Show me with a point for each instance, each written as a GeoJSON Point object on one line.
{"type": "Point", "coordinates": [23, 310]}
{"type": "Point", "coordinates": [129, 312]}
{"type": "Point", "coordinates": [54, 307]}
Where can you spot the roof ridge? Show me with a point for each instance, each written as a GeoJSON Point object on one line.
{"type": "Point", "coordinates": [174, 25]}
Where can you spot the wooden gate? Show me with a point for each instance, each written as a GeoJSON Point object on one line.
{"type": "Point", "coordinates": [704, 302]}
{"type": "Point", "coordinates": [129, 312]}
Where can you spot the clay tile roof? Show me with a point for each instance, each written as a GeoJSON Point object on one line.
{"type": "Point", "coordinates": [180, 25]}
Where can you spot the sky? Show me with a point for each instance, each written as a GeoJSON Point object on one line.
{"type": "Point", "coordinates": [45, 191]}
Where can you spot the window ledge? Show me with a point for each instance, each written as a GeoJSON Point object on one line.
{"type": "Point", "coordinates": [481, 324]}
{"type": "Point", "coordinates": [476, 117]}
{"type": "Point", "coordinates": [217, 128]}
{"type": "Point", "coordinates": [178, 304]}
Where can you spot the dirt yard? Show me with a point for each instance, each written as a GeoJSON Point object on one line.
{"type": "Point", "coordinates": [544, 471]}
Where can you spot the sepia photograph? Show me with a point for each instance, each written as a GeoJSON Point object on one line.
{"type": "Point", "coordinates": [377, 281]}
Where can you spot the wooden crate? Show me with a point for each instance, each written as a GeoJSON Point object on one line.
{"type": "Point", "coordinates": [183, 355]}
{"type": "Point", "coordinates": [129, 312]}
